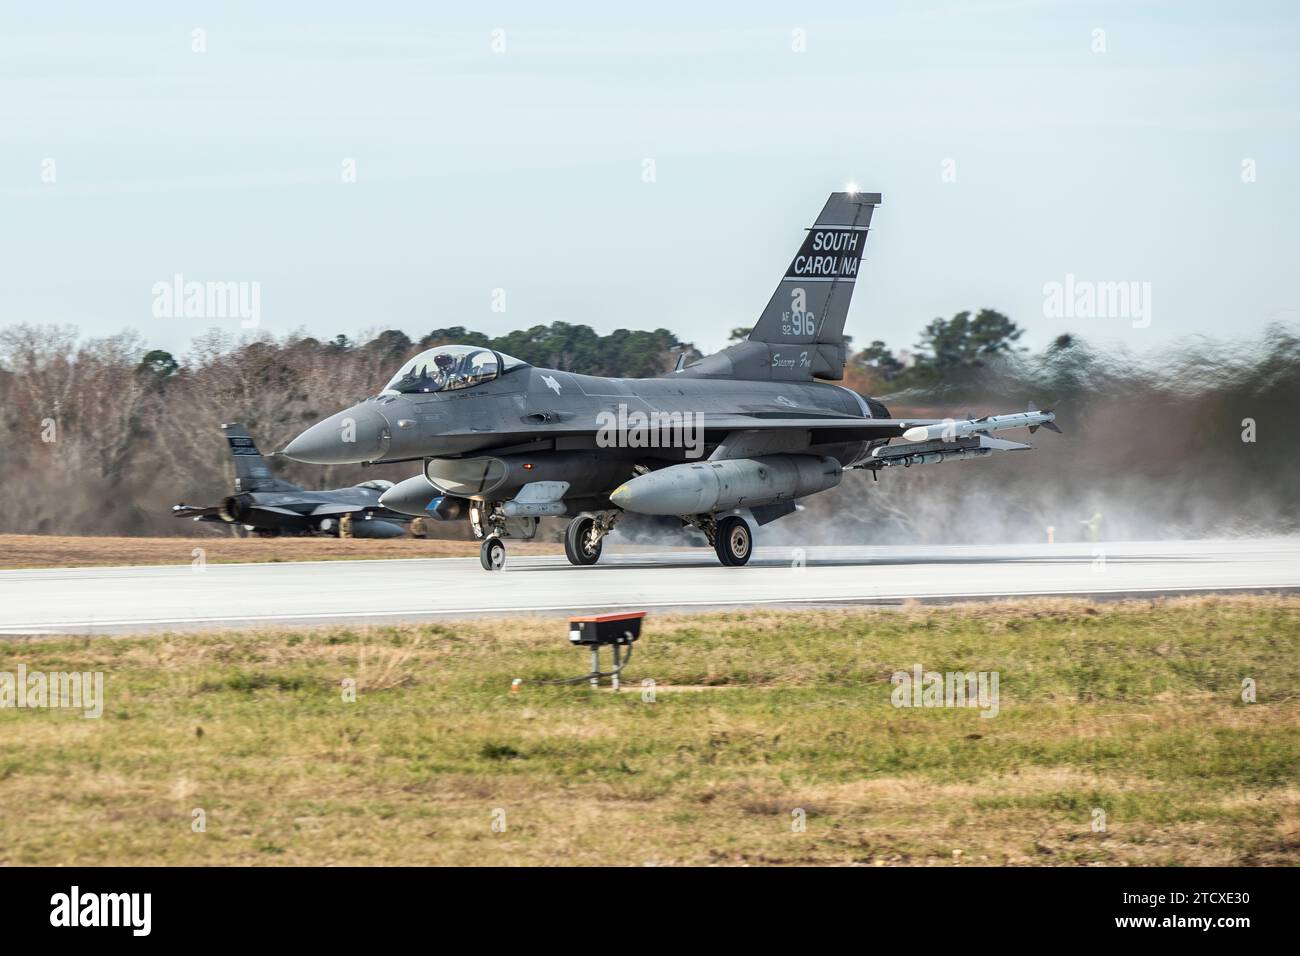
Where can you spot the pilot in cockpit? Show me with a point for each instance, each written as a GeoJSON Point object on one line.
{"type": "Point", "coordinates": [445, 375]}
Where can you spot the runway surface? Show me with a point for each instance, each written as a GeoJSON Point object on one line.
{"type": "Point", "coordinates": [129, 599]}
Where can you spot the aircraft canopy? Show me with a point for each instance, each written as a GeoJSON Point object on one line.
{"type": "Point", "coordinates": [446, 367]}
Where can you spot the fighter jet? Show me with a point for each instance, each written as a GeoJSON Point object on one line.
{"type": "Point", "coordinates": [728, 442]}
{"type": "Point", "coordinates": [268, 506]}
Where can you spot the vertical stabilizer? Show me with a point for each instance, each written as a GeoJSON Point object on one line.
{"type": "Point", "coordinates": [800, 335]}
{"type": "Point", "coordinates": [251, 471]}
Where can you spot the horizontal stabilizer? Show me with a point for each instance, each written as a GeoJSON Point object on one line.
{"type": "Point", "coordinates": [191, 511]}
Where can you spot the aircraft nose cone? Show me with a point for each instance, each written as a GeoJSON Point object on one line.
{"type": "Point", "coordinates": [353, 435]}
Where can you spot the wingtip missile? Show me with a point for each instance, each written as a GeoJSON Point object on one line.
{"type": "Point", "coordinates": [1050, 425]}
{"type": "Point", "coordinates": [947, 431]}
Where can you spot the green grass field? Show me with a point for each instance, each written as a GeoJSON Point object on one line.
{"type": "Point", "coordinates": [1131, 709]}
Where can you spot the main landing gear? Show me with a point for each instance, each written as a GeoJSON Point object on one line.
{"type": "Point", "coordinates": [585, 535]}
{"type": "Point", "coordinates": [733, 541]}
{"type": "Point", "coordinates": [731, 537]}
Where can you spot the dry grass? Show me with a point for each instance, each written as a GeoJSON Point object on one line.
{"type": "Point", "coordinates": [1133, 708]}
{"type": "Point", "coordinates": [55, 551]}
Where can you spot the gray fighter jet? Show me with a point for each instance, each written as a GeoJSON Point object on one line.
{"type": "Point", "coordinates": [735, 438]}
{"type": "Point", "coordinates": [268, 506]}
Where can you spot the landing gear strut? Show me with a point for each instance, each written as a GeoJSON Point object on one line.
{"type": "Point", "coordinates": [582, 540]}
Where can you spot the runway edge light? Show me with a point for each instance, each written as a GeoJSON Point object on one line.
{"type": "Point", "coordinates": [615, 630]}
{"type": "Point", "coordinates": [618, 629]}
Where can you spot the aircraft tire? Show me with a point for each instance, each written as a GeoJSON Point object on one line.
{"type": "Point", "coordinates": [733, 541]}
{"type": "Point", "coordinates": [574, 549]}
{"type": "Point", "coordinates": [492, 554]}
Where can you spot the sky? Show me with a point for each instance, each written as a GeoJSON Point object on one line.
{"type": "Point", "coordinates": [498, 166]}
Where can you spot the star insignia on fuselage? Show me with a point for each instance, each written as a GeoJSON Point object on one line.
{"type": "Point", "coordinates": [551, 383]}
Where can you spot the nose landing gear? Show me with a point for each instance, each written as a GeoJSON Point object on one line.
{"type": "Point", "coordinates": [492, 553]}
{"type": "Point", "coordinates": [489, 523]}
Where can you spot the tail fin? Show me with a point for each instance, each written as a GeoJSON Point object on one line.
{"type": "Point", "coordinates": [251, 471]}
{"type": "Point", "coordinates": [800, 335]}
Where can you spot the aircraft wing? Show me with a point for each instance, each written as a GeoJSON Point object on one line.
{"type": "Point", "coordinates": [831, 429]}
{"type": "Point", "coordinates": [826, 429]}
{"type": "Point", "coordinates": [717, 426]}
{"type": "Point", "coordinates": [747, 433]}
{"type": "Point", "coordinates": [924, 440]}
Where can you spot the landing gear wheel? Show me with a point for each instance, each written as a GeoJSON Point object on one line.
{"type": "Point", "coordinates": [492, 554]}
{"type": "Point", "coordinates": [733, 541]}
{"type": "Point", "coordinates": [576, 538]}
